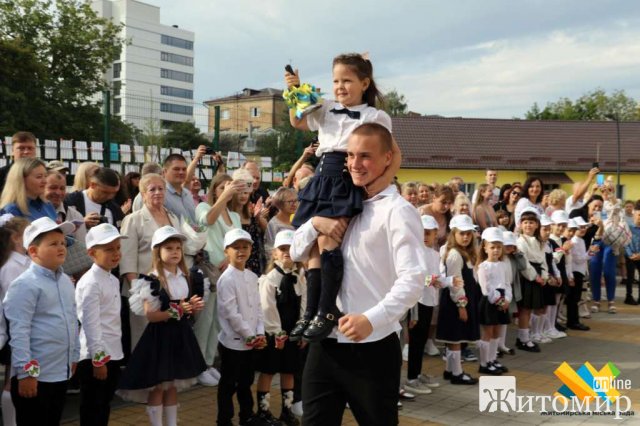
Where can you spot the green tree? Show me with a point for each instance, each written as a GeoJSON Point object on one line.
{"type": "Point", "coordinates": [595, 105]}
{"type": "Point", "coordinates": [185, 136]}
{"type": "Point", "coordinates": [394, 104]}
{"type": "Point", "coordinates": [71, 47]}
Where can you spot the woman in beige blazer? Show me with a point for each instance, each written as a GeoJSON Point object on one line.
{"type": "Point", "coordinates": [136, 250]}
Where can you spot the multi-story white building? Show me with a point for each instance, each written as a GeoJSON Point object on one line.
{"type": "Point", "coordinates": [152, 82]}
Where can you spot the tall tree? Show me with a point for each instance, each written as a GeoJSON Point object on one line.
{"type": "Point", "coordinates": [394, 104]}
{"type": "Point", "coordinates": [185, 136]}
{"type": "Point", "coordinates": [595, 105]}
{"type": "Point", "coordinates": [72, 48]}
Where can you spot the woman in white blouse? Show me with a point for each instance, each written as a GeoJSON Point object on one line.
{"type": "Point", "coordinates": [139, 228]}
{"type": "Point", "coordinates": [532, 195]}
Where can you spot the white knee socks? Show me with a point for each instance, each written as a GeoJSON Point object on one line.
{"type": "Point", "coordinates": [171, 414]}
{"type": "Point", "coordinates": [456, 364]}
{"type": "Point", "coordinates": [8, 410]}
{"type": "Point", "coordinates": [523, 335]}
{"type": "Point", "coordinates": [155, 414]}
{"type": "Point", "coordinates": [493, 350]}
{"type": "Point", "coordinates": [483, 351]}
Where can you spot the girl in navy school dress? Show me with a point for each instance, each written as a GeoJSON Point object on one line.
{"type": "Point", "coordinates": [532, 279]}
{"type": "Point", "coordinates": [282, 297]}
{"type": "Point", "coordinates": [458, 308]}
{"type": "Point", "coordinates": [494, 279]}
{"type": "Point", "coordinates": [331, 192]}
{"type": "Point", "coordinates": [167, 357]}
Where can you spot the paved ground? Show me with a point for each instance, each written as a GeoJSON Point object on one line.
{"type": "Point", "coordinates": [614, 338]}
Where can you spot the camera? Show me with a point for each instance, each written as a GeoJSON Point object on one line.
{"type": "Point", "coordinates": [103, 219]}
{"type": "Point", "coordinates": [210, 151]}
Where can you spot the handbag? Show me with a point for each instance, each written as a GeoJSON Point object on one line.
{"type": "Point", "coordinates": [78, 259]}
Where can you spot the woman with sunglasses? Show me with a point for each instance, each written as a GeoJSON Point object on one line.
{"type": "Point", "coordinates": [508, 201]}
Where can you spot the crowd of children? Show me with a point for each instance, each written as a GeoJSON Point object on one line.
{"type": "Point", "coordinates": [480, 274]}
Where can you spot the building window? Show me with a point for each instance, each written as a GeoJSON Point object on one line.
{"type": "Point", "coordinates": [176, 109]}
{"type": "Point", "coordinates": [117, 85]}
{"type": "Point", "coordinates": [117, 68]}
{"type": "Point", "coordinates": [176, 75]}
{"type": "Point", "coordinates": [255, 112]}
{"type": "Point", "coordinates": [176, 42]}
{"type": "Point", "coordinates": [225, 114]}
{"type": "Point", "coordinates": [176, 59]}
{"type": "Point", "coordinates": [177, 92]}
{"type": "Point", "coordinates": [117, 103]}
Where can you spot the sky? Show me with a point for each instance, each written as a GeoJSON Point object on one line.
{"type": "Point", "coordinates": [455, 58]}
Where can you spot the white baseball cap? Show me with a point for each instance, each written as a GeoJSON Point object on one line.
{"type": "Point", "coordinates": [509, 238]}
{"type": "Point", "coordinates": [493, 235]}
{"type": "Point", "coordinates": [163, 234]}
{"type": "Point", "coordinates": [560, 216]}
{"type": "Point", "coordinates": [42, 225]}
{"type": "Point", "coordinates": [284, 238]}
{"type": "Point", "coordinates": [102, 234]}
{"type": "Point", "coordinates": [462, 222]}
{"type": "Point", "coordinates": [545, 220]}
{"type": "Point", "coordinates": [580, 221]}
{"type": "Point", "coordinates": [530, 210]}
{"type": "Point", "coordinates": [429, 222]}
{"type": "Point", "coordinates": [236, 235]}
{"type": "Point", "coordinates": [572, 224]}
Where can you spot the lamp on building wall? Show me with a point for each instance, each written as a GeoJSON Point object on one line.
{"type": "Point", "coordinates": [616, 117]}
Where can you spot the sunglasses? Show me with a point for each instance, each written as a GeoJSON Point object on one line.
{"type": "Point", "coordinates": [517, 194]}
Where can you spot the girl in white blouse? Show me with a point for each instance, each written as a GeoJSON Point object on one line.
{"type": "Point", "coordinates": [283, 299]}
{"type": "Point", "coordinates": [494, 279]}
{"type": "Point", "coordinates": [532, 278]}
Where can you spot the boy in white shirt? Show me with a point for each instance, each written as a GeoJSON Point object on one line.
{"type": "Point", "coordinates": [98, 304]}
{"type": "Point", "coordinates": [241, 328]}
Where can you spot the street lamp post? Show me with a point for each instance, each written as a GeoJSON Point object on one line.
{"type": "Point", "coordinates": [616, 117]}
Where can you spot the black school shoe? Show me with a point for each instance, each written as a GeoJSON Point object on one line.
{"type": "Point", "coordinates": [579, 326]}
{"type": "Point", "coordinates": [529, 346]}
{"type": "Point", "coordinates": [463, 379]}
{"type": "Point", "coordinates": [490, 369]}
{"type": "Point", "coordinates": [629, 300]}
{"type": "Point", "coordinates": [560, 327]}
{"type": "Point", "coordinates": [320, 327]}
{"type": "Point", "coordinates": [447, 375]}
{"type": "Point", "coordinates": [298, 330]}
{"type": "Point", "coordinates": [500, 367]}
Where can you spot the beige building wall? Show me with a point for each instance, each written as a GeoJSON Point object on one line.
{"type": "Point", "coordinates": [236, 114]}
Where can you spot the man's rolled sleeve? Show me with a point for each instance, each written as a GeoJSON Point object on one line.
{"type": "Point", "coordinates": [303, 241]}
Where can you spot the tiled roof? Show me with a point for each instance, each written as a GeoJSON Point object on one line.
{"type": "Point", "coordinates": [248, 93]}
{"type": "Point", "coordinates": [470, 143]}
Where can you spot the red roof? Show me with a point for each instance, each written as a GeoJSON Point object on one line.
{"type": "Point", "coordinates": [470, 143]}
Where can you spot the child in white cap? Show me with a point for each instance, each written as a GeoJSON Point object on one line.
{"type": "Point", "coordinates": [420, 316]}
{"type": "Point", "coordinates": [241, 329]}
{"type": "Point", "coordinates": [41, 308]}
{"type": "Point", "coordinates": [458, 308]}
{"type": "Point", "coordinates": [283, 299]}
{"type": "Point", "coordinates": [98, 304]}
{"type": "Point", "coordinates": [167, 357]}
{"type": "Point", "coordinates": [493, 277]}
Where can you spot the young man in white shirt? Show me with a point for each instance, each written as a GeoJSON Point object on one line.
{"type": "Point", "coordinates": [98, 304]}
{"type": "Point", "coordinates": [384, 274]}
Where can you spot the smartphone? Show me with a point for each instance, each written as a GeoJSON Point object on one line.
{"type": "Point", "coordinates": [597, 215]}
{"type": "Point", "coordinates": [596, 164]}
{"type": "Point", "coordinates": [600, 179]}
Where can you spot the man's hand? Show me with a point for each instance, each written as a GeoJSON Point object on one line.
{"type": "Point", "coordinates": [28, 387]}
{"type": "Point", "coordinates": [355, 327]}
{"type": "Point", "coordinates": [201, 152]}
{"type": "Point", "coordinates": [309, 151]}
{"type": "Point", "coordinates": [592, 173]}
{"type": "Point", "coordinates": [334, 228]}
{"type": "Point", "coordinates": [100, 373]}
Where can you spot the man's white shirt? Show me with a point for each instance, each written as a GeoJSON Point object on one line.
{"type": "Point", "coordinates": [384, 264]}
